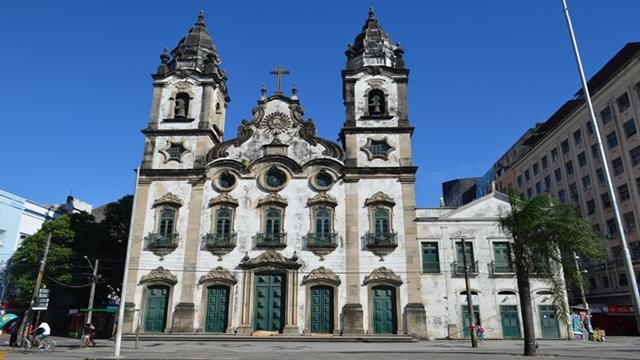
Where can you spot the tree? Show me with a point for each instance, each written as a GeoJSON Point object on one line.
{"type": "Point", "coordinates": [546, 237]}
{"type": "Point", "coordinates": [23, 275]}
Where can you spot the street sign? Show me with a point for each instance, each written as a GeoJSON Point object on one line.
{"type": "Point", "coordinates": [42, 301]}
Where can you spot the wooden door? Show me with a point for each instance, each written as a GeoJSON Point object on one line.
{"type": "Point", "coordinates": [269, 305]}
{"type": "Point", "coordinates": [322, 309]}
{"type": "Point", "coordinates": [466, 323]}
{"type": "Point", "coordinates": [217, 309]}
{"type": "Point", "coordinates": [510, 322]}
{"type": "Point", "coordinates": [155, 318]}
{"type": "Point", "coordinates": [384, 310]}
{"type": "Point", "coordinates": [548, 322]}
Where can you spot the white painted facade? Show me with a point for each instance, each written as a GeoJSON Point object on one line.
{"type": "Point", "coordinates": [208, 250]}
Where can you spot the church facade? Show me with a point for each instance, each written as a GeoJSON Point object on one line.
{"type": "Point", "coordinates": [281, 230]}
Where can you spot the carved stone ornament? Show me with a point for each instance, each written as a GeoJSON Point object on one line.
{"type": "Point", "coordinates": [168, 199]}
{"type": "Point", "coordinates": [322, 199]}
{"type": "Point", "coordinates": [383, 275]}
{"type": "Point", "coordinates": [160, 274]}
{"type": "Point", "coordinates": [380, 198]}
{"type": "Point", "coordinates": [270, 259]}
{"type": "Point", "coordinates": [183, 85]}
{"type": "Point", "coordinates": [224, 199]}
{"type": "Point", "coordinates": [277, 122]}
{"type": "Point", "coordinates": [273, 199]}
{"type": "Point", "coordinates": [321, 274]}
{"type": "Point", "coordinates": [219, 274]}
{"type": "Point", "coordinates": [376, 83]}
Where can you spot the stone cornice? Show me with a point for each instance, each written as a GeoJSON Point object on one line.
{"type": "Point", "coordinates": [383, 275]}
{"type": "Point", "coordinates": [274, 199]}
{"type": "Point", "coordinates": [380, 198]}
{"type": "Point", "coordinates": [270, 259]}
{"type": "Point", "coordinates": [224, 199]}
{"type": "Point", "coordinates": [220, 275]}
{"type": "Point", "coordinates": [159, 274]}
{"type": "Point", "coordinates": [168, 199]}
{"type": "Point", "coordinates": [322, 199]}
{"type": "Point", "coordinates": [321, 275]}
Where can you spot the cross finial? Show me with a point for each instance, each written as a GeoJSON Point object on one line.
{"type": "Point", "coordinates": [279, 72]}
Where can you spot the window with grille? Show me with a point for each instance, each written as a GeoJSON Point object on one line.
{"type": "Point", "coordinates": [323, 220]}
{"type": "Point", "coordinates": [544, 161]}
{"type": "Point", "coordinates": [600, 174]}
{"type": "Point", "coordinates": [589, 128]}
{"type": "Point", "coordinates": [468, 250]}
{"type": "Point", "coordinates": [569, 167]}
{"type": "Point", "coordinates": [167, 221]}
{"type": "Point", "coordinates": [565, 146]}
{"type": "Point", "coordinates": [630, 222]}
{"type": "Point", "coordinates": [273, 222]}
{"type": "Point", "coordinates": [635, 155]}
{"type": "Point", "coordinates": [623, 192]}
{"type": "Point", "coordinates": [606, 201]}
{"type": "Point", "coordinates": [224, 217]}
{"type": "Point", "coordinates": [554, 154]}
{"type": "Point", "coordinates": [586, 182]}
{"type": "Point", "coordinates": [582, 159]}
{"type": "Point", "coordinates": [379, 148]}
{"type": "Point", "coordinates": [381, 222]}
{"type": "Point", "coordinates": [503, 262]}
{"type": "Point", "coordinates": [595, 152]}
{"type": "Point", "coordinates": [591, 207]}
{"type": "Point", "coordinates": [558, 175]}
{"type": "Point", "coordinates": [577, 137]}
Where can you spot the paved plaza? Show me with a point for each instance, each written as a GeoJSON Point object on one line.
{"type": "Point", "coordinates": [614, 348]}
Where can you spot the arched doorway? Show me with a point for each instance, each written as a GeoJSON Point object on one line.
{"type": "Point", "coordinates": [155, 319]}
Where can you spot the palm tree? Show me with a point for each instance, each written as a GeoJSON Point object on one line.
{"type": "Point", "coordinates": [546, 237]}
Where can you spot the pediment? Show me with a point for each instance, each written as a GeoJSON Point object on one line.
{"type": "Point", "coordinates": [321, 275]}
{"type": "Point", "coordinates": [161, 275]}
{"type": "Point", "coordinates": [271, 259]}
{"type": "Point", "coordinates": [220, 275]}
{"type": "Point", "coordinates": [383, 275]}
{"type": "Point", "coordinates": [278, 127]}
{"type": "Point", "coordinates": [490, 206]}
{"type": "Point", "coordinates": [168, 199]}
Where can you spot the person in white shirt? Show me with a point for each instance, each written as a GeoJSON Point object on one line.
{"type": "Point", "coordinates": [41, 332]}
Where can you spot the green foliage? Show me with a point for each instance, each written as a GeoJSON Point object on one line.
{"type": "Point", "coordinates": [23, 275]}
{"type": "Point", "coordinates": [546, 237]}
{"type": "Point", "coordinates": [73, 237]}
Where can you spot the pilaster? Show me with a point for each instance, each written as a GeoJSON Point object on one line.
{"type": "Point", "coordinates": [352, 311]}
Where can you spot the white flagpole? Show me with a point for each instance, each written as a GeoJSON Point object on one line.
{"type": "Point", "coordinates": [125, 276]}
{"type": "Point", "coordinates": [633, 285]}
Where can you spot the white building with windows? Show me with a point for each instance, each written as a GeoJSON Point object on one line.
{"type": "Point", "coordinates": [280, 230]}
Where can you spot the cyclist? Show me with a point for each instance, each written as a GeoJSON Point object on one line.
{"type": "Point", "coordinates": [42, 331]}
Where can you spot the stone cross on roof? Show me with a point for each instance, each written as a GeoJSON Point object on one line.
{"type": "Point", "coordinates": [279, 72]}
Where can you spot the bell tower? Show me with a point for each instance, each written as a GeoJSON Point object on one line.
{"type": "Point", "coordinates": [189, 104]}
{"type": "Point", "coordinates": [376, 136]}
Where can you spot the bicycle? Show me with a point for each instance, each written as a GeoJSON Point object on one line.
{"type": "Point", "coordinates": [46, 345]}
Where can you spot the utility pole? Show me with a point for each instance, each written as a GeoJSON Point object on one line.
{"type": "Point", "coordinates": [585, 304]}
{"type": "Point", "coordinates": [467, 284]}
{"type": "Point", "coordinates": [628, 265]}
{"type": "Point", "coordinates": [94, 279]}
{"type": "Point", "coordinates": [36, 289]}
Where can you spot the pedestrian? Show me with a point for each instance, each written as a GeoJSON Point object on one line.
{"type": "Point", "coordinates": [480, 332]}
{"type": "Point", "coordinates": [90, 333]}
{"type": "Point", "coordinates": [13, 331]}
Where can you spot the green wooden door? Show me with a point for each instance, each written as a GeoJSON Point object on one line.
{"type": "Point", "coordinates": [269, 305]}
{"type": "Point", "coordinates": [466, 324]}
{"type": "Point", "coordinates": [548, 322]}
{"type": "Point", "coordinates": [321, 309]}
{"type": "Point", "coordinates": [384, 310]}
{"type": "Point", "coordinates": [510, 321]}
{"type": "Point", "coordinates": [155, 318]}
{"type": "Point", "coordinates": [217, 309]}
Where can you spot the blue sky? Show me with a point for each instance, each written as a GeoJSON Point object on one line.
{"type": "Point", "coordinates": [76, 88]}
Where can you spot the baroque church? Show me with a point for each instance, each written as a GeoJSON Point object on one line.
{"type": "Point", "coordinates": [280, 230]}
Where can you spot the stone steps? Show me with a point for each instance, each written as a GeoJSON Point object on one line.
{"type": "Point", "coordinates": [278, 338]}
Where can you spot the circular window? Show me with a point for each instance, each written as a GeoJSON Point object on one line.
{"type": "Point", "coordinates": [323, 180]}
{"type": "Point", "coordinates": [274, 180]}
{"type": "Point", "coordinates": [225, 182]}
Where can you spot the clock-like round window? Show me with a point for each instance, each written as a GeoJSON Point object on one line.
{"type": "Point", "coordinates": [322, 181]}
{"type": "Point", "coordinates": [226, 181]}
{"type": "Point", "coordinates": [274, 179]}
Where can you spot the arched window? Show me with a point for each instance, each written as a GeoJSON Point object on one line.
{"type": "Point", "coordinates": [273, 223]}
{"type": "Point", "coordinates": [223, 222]}
{"type": "Point", "coordinates": [323, 223]}
{"type": "Point", "coordinates": [381, 222]}
{"type": "Point", "coordinates": [376, 103]}
{"type": "Point", "coordinates": [181, 109]}
{"type": "Point", "coordinates": [167, 222]}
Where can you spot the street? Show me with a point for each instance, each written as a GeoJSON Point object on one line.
{"type": "Point", "coordinates": [614, 348]}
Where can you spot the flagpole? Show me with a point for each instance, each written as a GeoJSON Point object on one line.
{"type": "Point", "coordinates": [635, 297]}
{"type": "Point", "coordinates": [125, 276]}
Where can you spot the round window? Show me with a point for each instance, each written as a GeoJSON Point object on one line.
{"type": "Point", "coordinates": [324, 180]}
{"type": "Point", "coordinates": [226, 180]}
{"type": "Point", "coordinates": [275, 178]}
